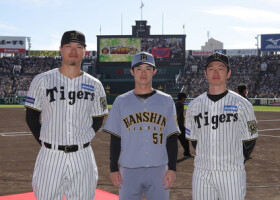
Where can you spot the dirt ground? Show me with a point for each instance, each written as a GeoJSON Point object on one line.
{"type": "Point", "coordinates": [18, 151]}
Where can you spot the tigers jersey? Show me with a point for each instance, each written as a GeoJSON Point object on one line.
{"type": "Point", "coordinates": [220, 128]}
{"type": "Point", "coordinates": [67, 106]}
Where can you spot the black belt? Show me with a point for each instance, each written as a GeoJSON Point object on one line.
{"type": "Point", "coordinates": [66, 148]}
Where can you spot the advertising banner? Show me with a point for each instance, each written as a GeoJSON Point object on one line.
{"type": "Point", "coordinates": [90, 53]}
{"type": "Point", "coordinates": [161, 52]}
{"type": "Point", "coordinates": [270, 42]}
{"type": "Point", "coordinates": [118, 49]}
{"type": "Point", "coordinates": [167, 49]}
{"type": "Point", "coordinates": [242, 52]}
{"type": "Point", "coordinates": [10, 44]}
{"type": "Point", "coordinates": [201, 53]}
{"type": "Point", "coordinates": [43, 53]}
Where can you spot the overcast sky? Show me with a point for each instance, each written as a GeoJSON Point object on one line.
{"type": "Point", "coordinates": [235, 23]}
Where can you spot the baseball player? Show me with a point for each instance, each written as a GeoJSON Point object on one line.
{"type": "Point", "coordinates": [181, 123]}
{"type": "Point", "coordinates": [220, 121]}
{"type": "Point", "coordinates": [71, 105]}
{"type": "Point", "coordinates": [242, 91]}
{"type": "Point", "coordinates": [143, 132]}
{"type": "Point", "coordinates": [247, 146]}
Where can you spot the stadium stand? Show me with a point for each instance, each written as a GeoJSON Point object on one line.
{"type": "Point", "coordinates": [263, 80]}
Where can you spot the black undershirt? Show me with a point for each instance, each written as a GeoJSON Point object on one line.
{"type": "Point", "coordinates": [217, 97]}
{"type": "Point", "coordinates": [145, 96]}
{"type": "Point", "coordinates": [171, 145]}
{"type": "Point", "coordinates": [32, 118]}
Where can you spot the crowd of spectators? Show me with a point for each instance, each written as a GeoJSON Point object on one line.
{"type": "Point", "coordinates": [261, 82]}
{"type": "Point", "coordinates": [175, 45]}
{"type": "Point", "coordinates": [16, 74]}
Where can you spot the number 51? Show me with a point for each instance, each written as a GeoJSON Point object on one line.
{"type": "Point", "coordinates": [157, 138]}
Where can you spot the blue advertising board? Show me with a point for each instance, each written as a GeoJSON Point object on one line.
{"type": "Point", "coordinates": [270, 42]}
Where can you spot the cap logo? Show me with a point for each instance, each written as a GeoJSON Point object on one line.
{"type": "Point", "coordinates": [74, 36]}
{"type": "Point", "coordinates": [217, 56]}
{"type": "Point", "coordinates": [144, 57]}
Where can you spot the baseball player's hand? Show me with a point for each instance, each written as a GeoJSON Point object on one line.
{"type": "Point", "coordinates": [116, 179]}
{"type": "Point", "coordinates": [170, 176]}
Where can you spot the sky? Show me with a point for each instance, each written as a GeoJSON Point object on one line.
{"type": "Point", "coordinates": [235, 23]}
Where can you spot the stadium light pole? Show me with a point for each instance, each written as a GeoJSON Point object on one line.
{"type": "Point", "coordinates": [257, 38]}
{"type": "Point", "coordinates": [29, 42]}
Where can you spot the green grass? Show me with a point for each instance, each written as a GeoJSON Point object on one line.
{"type": "Point", "coordinates": [256, 108]}
{"type": "Point", "coordinates": [267, 108]}
{"type": "Point", "coordinates": [11, 106]}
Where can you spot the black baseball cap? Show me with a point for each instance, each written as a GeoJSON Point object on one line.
{"type": "Point", "coordinates": [217, 57]}
{"type": "Point", "coordinates": [182, 95]}
{"type": "Point", "coordinates": [73, 36]}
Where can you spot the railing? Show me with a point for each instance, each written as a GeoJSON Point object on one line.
{"type": "Point", "coordinates": [19, 100]}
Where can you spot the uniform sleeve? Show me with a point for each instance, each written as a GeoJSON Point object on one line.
{"type": "Point", "coordinates": [100, 107]}
{"type": "Point", "coordinates": [34, 95]}
{"type": "Point", "coordinates": [190, 133]}
{"type": "Point", "coordinates": [113, 122]}
{"type": "Point", "coordinates": [248, 123]}
{"type": "Point", "coordinates": [171, 123]}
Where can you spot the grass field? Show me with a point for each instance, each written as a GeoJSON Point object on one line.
{"type": "Point", "coordinates": [256, 108]}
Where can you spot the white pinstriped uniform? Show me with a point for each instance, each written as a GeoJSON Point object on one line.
{"type": "Point", "coordinates": [67, 107]}
{"type": "Point", "coordinates": [220, 129]}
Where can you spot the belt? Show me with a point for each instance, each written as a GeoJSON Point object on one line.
{"type": "Point", "coordinates": [66, 148]}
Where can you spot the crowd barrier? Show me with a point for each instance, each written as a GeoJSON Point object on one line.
{"type": "Point", "coordinates": [110, 99]}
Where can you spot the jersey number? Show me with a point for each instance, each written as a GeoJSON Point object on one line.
{"type": "Point", "coordinates": [158, 138]}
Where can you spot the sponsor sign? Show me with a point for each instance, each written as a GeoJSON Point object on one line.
{"type": "Point", "coordinates": [10, 44]}
{"type": "Point", "coordinates": [242, 52]}
{"type": "Point", "coordinates": [118, 49]}
{"type": "Point", "coordinates": [161, 52]}
{"type": "Point", "coordinates": [270, 42]}
{"type": "Point", "coordinates": [43, 53]}
{"type": "Point", "coordinates": [276, 104]}
{"type": "Point", "coordinates": [201, 53]}
{"type": "Point", "coordinates": [167, 49]}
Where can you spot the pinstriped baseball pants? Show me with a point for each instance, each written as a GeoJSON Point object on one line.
{"type": "Point", "coordinates": [222, 185]}
{"type": "Point", "coordinates": [71, 174]}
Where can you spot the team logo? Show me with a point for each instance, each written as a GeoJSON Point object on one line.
{"type": "Point", "coordinates": [214, 120]}
{"type": "Point", "coordinates": [87, 87]}
{"type": "Point", "coordinates": [105, 51]}
{"type": "Point", "coordinates": [274, 42]}
{"type": "Point", "coordinates": [252, 126]}
{"type": "Point", "coordinates": [74, 36]}
{"type": "Point", "coordinates": [216, 56]}
{"type": "Point", "coordinates": [144, 57]}
{"type": "Point", "coordinates": [230, 108]}
{"type": "Point", "coordinates": [103, 103]}
{"type": "Point", "coordinates": [30, 100]}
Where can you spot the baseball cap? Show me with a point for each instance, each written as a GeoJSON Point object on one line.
{"type": "Point", "coordinates": [73, 36]}
{"type": "Point", "coordinates": [217, 57]}
{"type": "Point", "coordinates": [182, 95]}
{"type": "Point", "coordinates": [143, 57]}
